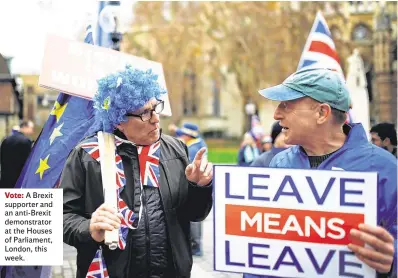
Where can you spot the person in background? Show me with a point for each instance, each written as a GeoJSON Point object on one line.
{"type": "Point", "coordinates": [248, 150]}
{"type": "Point", "coordinates": [384, 135]}
{"type": "Point", "coordinates": [266, 144]}
{"type": "Point", "coordinates": [278, 145]}
{"type": "Point", "coordinates": [189, 134]}
{"type": "Point", "coordinates": [15, 129]}
{"type": "Point", "coordinates": [14, 152]}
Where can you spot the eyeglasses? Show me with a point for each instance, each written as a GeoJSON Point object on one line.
{"type": "Point", "coordinates": [147, 114]}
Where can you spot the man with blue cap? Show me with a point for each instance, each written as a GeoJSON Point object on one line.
{"type": "Point", "coordinates": [189, 134]}
{"type": "Point", "coordinates": [313, 103]}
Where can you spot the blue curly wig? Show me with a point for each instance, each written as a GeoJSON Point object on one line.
{"type": "Point", "coordinates": [123, 92]}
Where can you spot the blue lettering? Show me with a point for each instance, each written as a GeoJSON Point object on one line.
{"type": "Point", "coordinates": [227, 256]}
{"type": "Point", "coordinates": [252, 255]}
{"type": "Point", "coordinates": [295, 193]}
{"type": "Point", "coordinates": [344, 192]}
{"type": "Point", "coordinates": [343, 263]}
{"type": "Point", "coordinates": [252, 186]}
{"type": "Point", "coordinates": [227, 189]}
{"type": "Point", "coordinates": [320, 200]}
{"type": "Point", "coordinates": [320, 269]}
{"type": "Point", "coordinates": [294, 261]}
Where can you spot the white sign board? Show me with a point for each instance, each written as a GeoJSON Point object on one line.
{"type": "Point", "coordinates": [74, 67]}
{"type": "Point", "coordinates": [291, 223]}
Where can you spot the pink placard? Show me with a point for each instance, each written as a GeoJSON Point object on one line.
{"type": "Point", "coordinates": [74, 67]}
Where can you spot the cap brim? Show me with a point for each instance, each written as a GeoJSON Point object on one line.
{"type": "Point", "coordinates": [280, 93]}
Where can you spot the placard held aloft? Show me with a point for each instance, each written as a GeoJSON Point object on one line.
{"type": "Point", "coordinates": [74, 67]}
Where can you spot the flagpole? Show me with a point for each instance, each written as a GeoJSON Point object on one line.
{"type": "Point", "coordinates": [106, 140]}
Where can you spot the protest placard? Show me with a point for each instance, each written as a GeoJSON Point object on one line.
{"type": "Point", "coordinates": [74, 67]}
{"type": "Point", "coordinates": [291, 223]}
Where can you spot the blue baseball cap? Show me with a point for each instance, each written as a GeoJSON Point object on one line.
{"type": "Point", "coordinates": [188, 129]}
{"type": "Point", "coordinates": [320, 84]}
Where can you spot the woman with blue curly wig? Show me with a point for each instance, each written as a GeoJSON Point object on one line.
{"type": "Point", "coordinates": [158, 192]}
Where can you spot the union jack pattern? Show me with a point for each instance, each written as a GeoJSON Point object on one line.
{"type": "Point", "coordinates": [148, 157]}
{"type": "Point", "coordinates": [97, 267]}
{"type": "Point", "coordinates": [90, 145]}
{"type": "Point", "coordinates": [129, 220]}
{"type": "Point", "coordinates": [320, 50]}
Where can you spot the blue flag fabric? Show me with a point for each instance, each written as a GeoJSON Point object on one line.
{"type": "Point", "coordinates": [68, 123]}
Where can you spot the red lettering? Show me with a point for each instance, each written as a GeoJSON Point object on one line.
{"type": "Point", "coordinates": [13, 195]}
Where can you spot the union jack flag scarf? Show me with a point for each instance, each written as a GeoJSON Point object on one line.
{"type": "Point", "coordinates": [148, 158]}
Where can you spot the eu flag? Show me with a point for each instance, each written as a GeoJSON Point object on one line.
{"type": "Point", "coordinates": [68, 123]}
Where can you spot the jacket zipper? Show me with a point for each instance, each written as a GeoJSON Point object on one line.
{"type": "Point", "coordinates": [147, 239]}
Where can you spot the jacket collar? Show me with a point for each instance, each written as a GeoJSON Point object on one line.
{"type": "Point", "coordinates": [355, 136]}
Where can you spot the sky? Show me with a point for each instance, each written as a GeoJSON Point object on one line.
{"type": "Point", "coordinates": [24, 25]}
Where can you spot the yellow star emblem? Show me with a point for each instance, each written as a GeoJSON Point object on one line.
{"type": "Point", "coordinates": [43, 167]}
{"type": "Point", "coordinates": [56, 133]}
{"type": "Point", "coordinates": [58, 110]}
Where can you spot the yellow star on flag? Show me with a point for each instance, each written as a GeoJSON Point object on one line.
{"type": "Point", "coordinates": [56, 133]}
{"type": "Point", "coordinates": [43, 167]}
{"type": "Point", "coordinates": [58, 110]}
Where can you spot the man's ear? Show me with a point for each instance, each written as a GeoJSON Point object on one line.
{"type": "Point", "coordinates": [386, 141]}
{"type": "Point", "coordinates": [324, 113]}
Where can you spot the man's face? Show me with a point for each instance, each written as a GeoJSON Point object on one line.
{"type": "Point", "coordinates": [376, 139]}
{"type": "Point", "coordinates": [29, 129]}
{"type": "Point", "coordinates": [140, 132]}
{"type": "Point", "coordinates": [298, 120]}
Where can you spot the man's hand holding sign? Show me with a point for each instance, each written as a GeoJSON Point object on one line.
{"type": "Point", "coordinates": [353, 222]}
{"type": "Point", "coordinates": [381, 254]}
{"type": "Point", "coordinates": [298, 223]}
